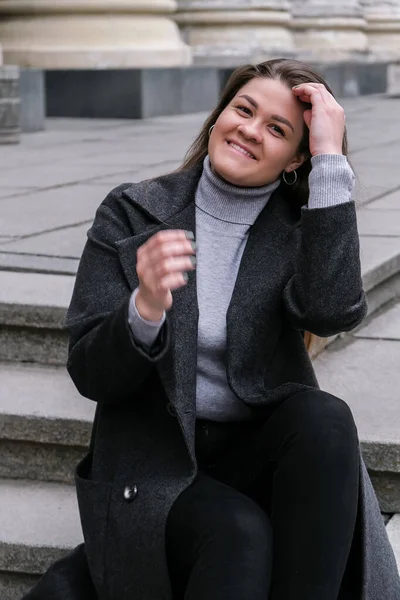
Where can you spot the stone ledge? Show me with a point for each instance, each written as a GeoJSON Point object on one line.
{"type": "Point", "coordinates": [131, 93]}
{"type": "Point", "coordinates": [393, 530]}
{"type": "Point", "coordinates": [49, 265]}
{"type": "Point", "coordinates": [9, 105]}
{"type": "Point", "coordinates": [381, 455]}
{"type": "Point", "coordinates": [143, 93]}
{"type": "Point", "coordinates": [33, 103]}
{"type": "Point", "coordinates": [39, 523]}
{"type": "Point", "coordinates": [39, 462]}
{"type": "Point", "coordinates": [41, 404]}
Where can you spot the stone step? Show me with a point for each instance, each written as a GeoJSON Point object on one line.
{"type": "Point", "coordinates": [39, 523]}
{"type": "Point", "coordinates": [363, 370]}
{"type": "Point", "coordinates": [33, 305]}
{"type": "Point", "coordinates": [32, 313]}
{"type": "Point", "coordinates": [393, 529]}
{"type": "Point", "coordinates": [44, 423]}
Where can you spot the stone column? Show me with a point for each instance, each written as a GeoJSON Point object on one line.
{"type": "Point", "coordinates": [329, 31]}
{"type": "Point", "coordinates": [10, 105]}
{"type": "Point", "coordinates": [64, 34]}
{"type": "Point", "coordinates": [229, 32]}
{"type": "Point", "coordinates": [383, 28]}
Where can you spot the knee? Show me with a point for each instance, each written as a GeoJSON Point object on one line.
{"type": "Point", "coordinates": [324, 419]}
{"type": "Point", "coordinates": [243, 522]}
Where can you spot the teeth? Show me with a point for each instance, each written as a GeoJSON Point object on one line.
{"type": "Point", "coordinates": [241, 150]}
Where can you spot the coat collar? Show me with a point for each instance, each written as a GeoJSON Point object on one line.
{"type": "Point", "coordinates": [163, 197]}
{"type": "Point", "coordinates": [169, 202]}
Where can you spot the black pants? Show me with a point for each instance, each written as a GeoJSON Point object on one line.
{"type": "Point", "coordinates": [272, 512]}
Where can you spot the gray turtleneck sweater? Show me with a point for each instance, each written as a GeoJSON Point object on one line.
{"type": "Point", "coordinates": [224, 214]}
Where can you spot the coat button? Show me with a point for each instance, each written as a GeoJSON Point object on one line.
{"type": "Point", "coordinates": [130, 493]}
{"type": "Point", "coordinates": [171, 409]}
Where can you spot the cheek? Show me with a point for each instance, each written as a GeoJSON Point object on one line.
{"type": "Point", "coordinates": [276, 151]}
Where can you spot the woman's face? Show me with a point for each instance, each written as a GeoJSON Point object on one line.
{"type": "Point", "coordinates": [257, 135]}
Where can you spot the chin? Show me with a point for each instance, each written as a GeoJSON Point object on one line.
{"type": "Point", "coordinates": [232, 175]}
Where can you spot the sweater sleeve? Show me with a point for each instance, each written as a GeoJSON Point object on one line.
{"type": "Point", "coordinates": [331, 181]}
{"type": "Point", "coordinates": [143, 330]}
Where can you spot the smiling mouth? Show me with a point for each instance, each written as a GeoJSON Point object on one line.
{"type": "Point", "coordinates": [241, 150]}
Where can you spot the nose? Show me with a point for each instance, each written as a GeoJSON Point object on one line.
{"type": "Point", "coordinates": [251, 131]}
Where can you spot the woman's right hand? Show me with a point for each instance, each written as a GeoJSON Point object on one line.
{"type": "Point", "coordinates": [161, 265]}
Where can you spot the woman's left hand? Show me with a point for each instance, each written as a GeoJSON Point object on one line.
{"type": "Point", "coordinates": [325, 120]}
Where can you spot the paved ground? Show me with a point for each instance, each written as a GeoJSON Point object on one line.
{"type": "Point", "coordinates": [51, 184]}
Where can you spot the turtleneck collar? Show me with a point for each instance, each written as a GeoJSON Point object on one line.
{"type": "Point", "coordinates": [228, 202]}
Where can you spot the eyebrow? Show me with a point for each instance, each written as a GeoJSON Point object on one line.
{"type": "Point", "coordinates": [274, 117]}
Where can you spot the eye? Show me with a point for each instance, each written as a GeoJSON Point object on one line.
{"type": "Point", "coordinates": [245, 110]}
{"type": "Point", "coordinates": [279, 130]}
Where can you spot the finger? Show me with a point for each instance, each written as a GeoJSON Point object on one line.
{"type": "Point", "coordinates": [172, 282]}
{"type": "Point", "coordinates": [174, 265]}
{"type": "Point", "coordinates": [326, 96]}
{"type": "Point", "coordinates": [308, 94]}
{"type": "Point", "coordinates": [168, 250]}
{"type": "Point", "coordinates": [167, 235]}
{"type": "Point", "coordinates": [307, 117]}
{"type": "Point", "coordinates": [307, 89]}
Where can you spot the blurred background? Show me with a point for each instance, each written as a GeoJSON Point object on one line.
{"type": "Point", "coordinates": [143, 58]}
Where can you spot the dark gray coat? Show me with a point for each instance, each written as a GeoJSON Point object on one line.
{"type": "Point", "coordinates": [296, 274]}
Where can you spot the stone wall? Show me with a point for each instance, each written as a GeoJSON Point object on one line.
{"type": "Point", "coordinates": [231, 31]}
{"type": "Point", "coordinates": [108, 34]}
{"type": "Point", "coordinates": [51, 34]}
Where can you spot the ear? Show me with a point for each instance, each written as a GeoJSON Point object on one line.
{"type": "Point", "coordinates": [296, 162]}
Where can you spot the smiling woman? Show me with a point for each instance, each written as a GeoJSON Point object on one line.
{"type": "Point", "coordinates": [271, 84]}
{"type": "Point", "coordinates": [217, 467]}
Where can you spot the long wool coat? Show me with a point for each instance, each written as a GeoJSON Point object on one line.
{"type": "Point", "coordinates": [300, 271]}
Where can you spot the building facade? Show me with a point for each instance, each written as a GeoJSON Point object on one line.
{"type": "Point", "coordinates": [98, 34]}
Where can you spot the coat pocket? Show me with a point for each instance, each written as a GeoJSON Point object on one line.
{"type": "Point", "coordinates": [94, 502]}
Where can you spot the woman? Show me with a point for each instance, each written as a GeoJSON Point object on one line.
{"type": "Point", "coordinates": [217, 467]}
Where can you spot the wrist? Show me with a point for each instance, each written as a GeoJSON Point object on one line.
{"type": "Point", "coordinates": [147, 312]}
{"type": "Point", "coordinates": [328, 151]}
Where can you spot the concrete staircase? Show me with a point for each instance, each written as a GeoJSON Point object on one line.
{"type": "Point", "coordinates": [45, 424]}
{"type": "Point", "coordinates": [44, 430]}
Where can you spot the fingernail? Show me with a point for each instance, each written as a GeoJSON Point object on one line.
{"type": "Point", "coordinates": [185, 276]}
{"type": "Point", "coordinates": [193, 260]}
{"type": "Point", "coordinates": [189, 235]}
{"type": "Point", "coordinates": [194, 245]}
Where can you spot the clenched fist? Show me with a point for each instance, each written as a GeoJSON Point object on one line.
{"type": "Point", "coordinates": [161, 265]}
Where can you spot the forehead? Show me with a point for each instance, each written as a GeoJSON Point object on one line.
{"type": "Point", "coordinates": [273, 96]}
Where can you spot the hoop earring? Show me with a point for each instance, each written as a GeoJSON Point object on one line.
{"type": "Point", "coordinates": [291, 182]}
{"type": "Point", "coordinates": [210, 130]}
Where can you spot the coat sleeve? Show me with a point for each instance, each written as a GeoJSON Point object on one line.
{"type": "Point", "coordinates": [325, 294]}
{"type": "Point", "coordinates": [105, 361]}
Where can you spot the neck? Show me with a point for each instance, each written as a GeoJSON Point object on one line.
{"type": "Point", "coordinates": [231, 203]}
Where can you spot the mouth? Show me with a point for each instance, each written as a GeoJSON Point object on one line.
{"type": "Point", "coordinates": [240, 149]}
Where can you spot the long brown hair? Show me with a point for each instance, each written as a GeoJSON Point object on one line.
{"type": "Point", "coordinates": [291, 72]}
